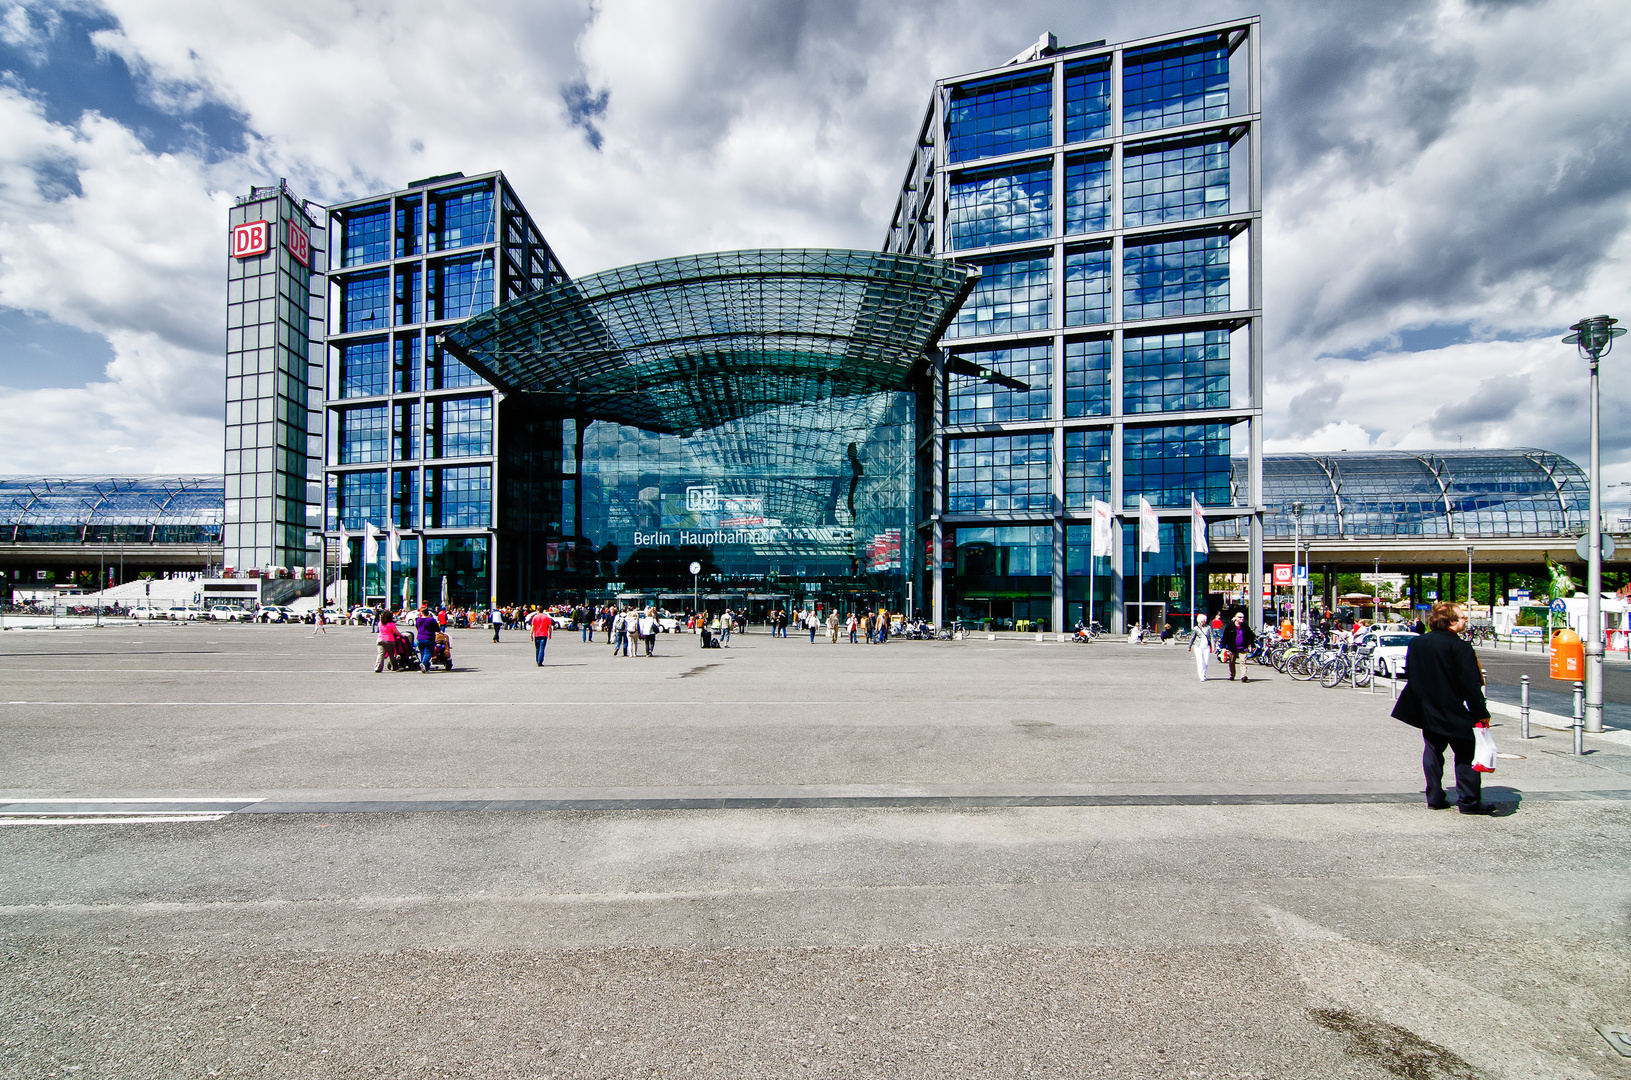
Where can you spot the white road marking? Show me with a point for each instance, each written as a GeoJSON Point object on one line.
{"type": "Point", "coordinates": [107, 811]}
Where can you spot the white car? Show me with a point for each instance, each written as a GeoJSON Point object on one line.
{"type": "Point", "coordinates": [1388, 659]}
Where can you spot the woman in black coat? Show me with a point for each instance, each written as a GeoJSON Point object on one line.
{"type": "Point", "coordinates": [1445, 698]}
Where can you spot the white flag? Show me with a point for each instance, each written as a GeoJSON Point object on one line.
{"type": "Point", "coordinates": [345, 547]}
{"type": "Point", "coordinates": [370, 543]}
{"type": "Point", "coordinates": [1102, 531]}
{"type": "Point", "coordinates": [393, 545]}
{"type": "Point", "coordinates": [1197, 527]}
{"type": "Point", "coordinates": [1149, 528]}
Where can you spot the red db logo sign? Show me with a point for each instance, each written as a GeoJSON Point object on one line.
{"type": "Point", "coordinates": [251, 238]}
{"type": "Point", "coordinates": [299, 244]}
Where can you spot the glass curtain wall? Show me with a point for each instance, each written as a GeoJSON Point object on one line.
{"type": "Point", "coordinates": [805, 505]}
{"type": "Point", "coordinates": [406, 267]}
{"type": "Point", "coordinates": [1107, 194]}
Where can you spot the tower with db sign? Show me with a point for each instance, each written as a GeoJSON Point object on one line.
{"type": "Point", "coordinates": [274, 379]}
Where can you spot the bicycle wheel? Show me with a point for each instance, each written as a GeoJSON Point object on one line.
{"type": "Point", "coordinates": [1362, 673]}
{"type": "Point", "coordinates": [1333, 671]}
{"type": "Point", "coordinates": [1304, 667]}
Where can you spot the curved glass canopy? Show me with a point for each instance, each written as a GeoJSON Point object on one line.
{"type": "Point", "coordinates": [112, 509]}
{"type": "Point", "coordinates": [688, 344]}
{"type": "Point", "coordinates": [1426, 493]}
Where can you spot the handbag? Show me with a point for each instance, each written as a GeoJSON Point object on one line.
{"type": "Point", "coordinates": [1483, 753]}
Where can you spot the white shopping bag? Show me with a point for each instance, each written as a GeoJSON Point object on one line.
{"type": "Point", "coordinates": [1483, 754]}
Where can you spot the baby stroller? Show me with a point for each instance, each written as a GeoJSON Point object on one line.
{"type": "Point", "coordinates": [708, 639]}
{"type": "Point", "coordinates": [442, 652]}
{"type": "Point", "coordinates": [402, 655]}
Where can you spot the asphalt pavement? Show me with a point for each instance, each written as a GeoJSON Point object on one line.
{"type": "Point", "coordinates": [237, 851]}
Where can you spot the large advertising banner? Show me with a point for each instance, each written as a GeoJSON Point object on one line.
{"type": "Point", "coordinates": [883, 551]}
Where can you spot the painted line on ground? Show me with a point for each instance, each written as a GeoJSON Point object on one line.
{"type": "Point", "coordinates": [841, 802]}
{"type": "Point", "coordinates": [114, 811]}
{"type": "Point", "coordinates": [376, 702]}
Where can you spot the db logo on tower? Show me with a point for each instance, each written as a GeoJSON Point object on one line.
{"type": "Point", "coordinates": [251, 238]}
{"type": "Point", "coordinates": [299, 244]}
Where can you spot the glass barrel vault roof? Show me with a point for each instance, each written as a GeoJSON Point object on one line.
{"type": "Point", "coordinates": [175, 508]}
{"type": "Point", "coordinates": [682, 345]}
{"type": "Point", "coordinates": [1426, 493]}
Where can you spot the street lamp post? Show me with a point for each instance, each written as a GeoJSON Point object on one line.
{"type": "Point", "coordinates": [1594, 337]}
{"type": "Point", "coordinates": [1469, 580]}
{"type": "Point", "coordinates": [1296, 561]}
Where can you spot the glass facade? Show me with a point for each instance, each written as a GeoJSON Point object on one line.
{"type": "Point", "coordinates": [1001, 206]}
{"type": "Point", "coordinates": [1087, 100]}
{"type": "Point", "coordinates": [365, 434]}
{"type": "Point", "coordinates": [364, 368]}
{"type": "Point", "coordinates": [1087, 467]}
{"type": "Point", "coordinates": [1182, 82]}
{"type": "Point", "coordinates": [1012, 295]}
{"type": "Point", "coordinates": [1175, 372]}
{"type": "Point", "coordinates": [1182, 275]}
{"type": "Point", "coordinates": [1000, 116]}
{"type": "Point", "coordinates": [1003, 474]}
{"type": "Point", "coordinates": [1143, 223]}
{"type": "Point", "coordinates": [772, 435]}
{"type": "Point", "coordinates": [1087, 377]}
{"type": "Point", "coordinates": [1169, 463]}
{"type": "Point", "coordinates": [1175, 181]}
{"type": "Point", "coordinates": [1087, 284]}
{"type": "Point", "coordinates": [434, 408]}
{"type": "Point", "coordinates": [1088, 184]}
{"type": "Point", "coordinates": [978, 400]}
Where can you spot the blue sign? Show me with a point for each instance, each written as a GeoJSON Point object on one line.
{"type": "Point", "coordinates": [1559, 607]}
{"type": "Point", "coordinates": [1518, 594]}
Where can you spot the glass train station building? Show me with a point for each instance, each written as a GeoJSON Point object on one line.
{"type": "Point", "coordinates": [1065, 315]}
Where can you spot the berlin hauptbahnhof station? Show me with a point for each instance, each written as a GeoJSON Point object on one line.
{"type": "Point", "coordinates": [1064, 323]}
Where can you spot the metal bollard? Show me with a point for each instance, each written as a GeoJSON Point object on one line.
{"type": "Point", "coordinates": [1579, 719]}
{"type": "Point", "coordinates": [1393, 673]}
{"type": "Point", "coordinates": [1523, 709]}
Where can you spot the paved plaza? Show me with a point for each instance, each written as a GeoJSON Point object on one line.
{"type": "Point", "coordinates": [982, 858]}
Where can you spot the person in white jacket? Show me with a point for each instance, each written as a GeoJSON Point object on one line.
{"type": "Point", "coordinates": [1201, 646]}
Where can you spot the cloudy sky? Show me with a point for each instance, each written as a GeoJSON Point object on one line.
{"type": "Point", "coordinates": [1448, 180]}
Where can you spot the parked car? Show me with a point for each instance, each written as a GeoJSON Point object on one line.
{"type": "Point", "coordinates": [1388, 659]}
{"type": "Point", "coordinates": [272, 614]}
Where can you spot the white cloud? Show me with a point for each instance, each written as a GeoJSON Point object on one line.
{"type": "Point", "coordinates": [1433, 162]}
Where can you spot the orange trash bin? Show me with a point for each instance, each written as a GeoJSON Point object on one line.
{"type": "Point", "coordinates": [1568, 656]}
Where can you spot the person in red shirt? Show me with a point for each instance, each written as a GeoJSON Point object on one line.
{"type": "Point", "coordinates": [541, 625]}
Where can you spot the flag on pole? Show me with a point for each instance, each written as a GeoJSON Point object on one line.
{"type": "Point", "coordinates": [1102, 523]}
{"type": "Point", "coordinates": [393, 545]}
{"type": "Point", "coordinates": [345, 547]}
{"type": "Point", "coordinates": [370, 543]}
{"type": "Point", "coordinates": [1197, 527]}
{"type": "Point", "coordinates": [1149, 528]}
